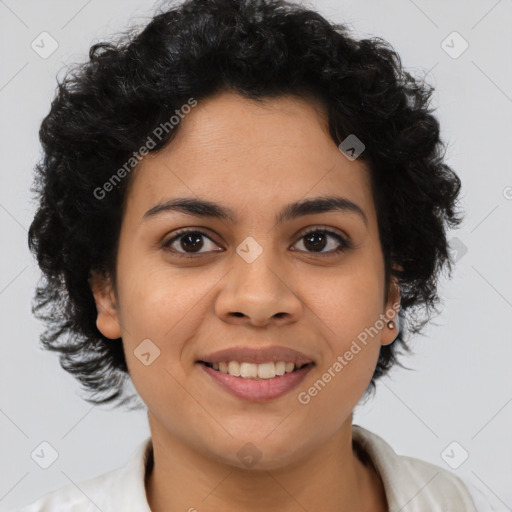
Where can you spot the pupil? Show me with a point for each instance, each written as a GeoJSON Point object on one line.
{"type": "Point", "coordinates": [315, 244]}
{"type": "Point", "coordinates": [193, 238]}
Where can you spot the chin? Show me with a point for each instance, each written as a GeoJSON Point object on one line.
{"type": "Point", "coordinates": [259, 453]}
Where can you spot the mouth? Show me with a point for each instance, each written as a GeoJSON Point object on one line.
{"type": "Point", "coordinates": [256, 382]}
{"type": "Point", "coordinates": [262, 371]}
{"type": "Point", "coordinates": [254, 373]}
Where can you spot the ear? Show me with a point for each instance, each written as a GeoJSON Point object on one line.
{"type": "Point", "coordinates": [107, 320]}
{"type": "Point", "coordinates": [391, 313]}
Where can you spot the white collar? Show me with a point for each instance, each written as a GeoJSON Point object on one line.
{"type": "Point", "coordinates": [411, 485]}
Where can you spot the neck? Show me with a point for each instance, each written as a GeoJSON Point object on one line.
{"type": "Point", "coordinates": [182, 479]}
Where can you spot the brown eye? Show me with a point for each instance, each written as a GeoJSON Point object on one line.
{"type": "Point", "coordinates": [318, 239]}
{"type": "Point", "coordinates": [192, 241]}
{"type": "Point", "coordinates": [187, 243]}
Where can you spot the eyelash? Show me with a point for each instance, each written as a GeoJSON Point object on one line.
{"type": "Point", "coordinates": [344, 244]}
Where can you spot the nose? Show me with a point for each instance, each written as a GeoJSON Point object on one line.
{"type": "Point", "coordinates": [258, 293]}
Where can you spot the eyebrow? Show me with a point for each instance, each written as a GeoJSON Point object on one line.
{"type": "Point", "coordinates": [205, 208]}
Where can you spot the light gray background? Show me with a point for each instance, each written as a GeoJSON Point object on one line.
{"type": "Point", "coordinates": [460, 389]}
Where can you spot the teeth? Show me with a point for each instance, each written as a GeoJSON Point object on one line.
{"type": "Point", "coordinates": [255, 371]}
{"type": "Point", "coordinates": [248, 370]}
{"type": "Point", "coordinates": [234, 368]}
{"type": "Point", "coordinates": [266, 370]}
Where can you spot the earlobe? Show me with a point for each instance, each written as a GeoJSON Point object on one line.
{"type": "Point", "coordinates": [107, 320]}
{"type": "Point", "coordinates": [390, 330]}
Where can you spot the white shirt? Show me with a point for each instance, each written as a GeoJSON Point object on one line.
{"type": "Point", "coordinates": [411, 485]}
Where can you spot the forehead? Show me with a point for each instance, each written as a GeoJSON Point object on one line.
{"type": "Point", "coordinates": [250, 155]}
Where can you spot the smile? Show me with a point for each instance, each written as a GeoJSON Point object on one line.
{"type": "Point", "coordinates": [267, 370]}
{"type": "Point", "coordinates": [256, 382]}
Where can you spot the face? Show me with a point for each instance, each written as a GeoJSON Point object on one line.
{"type": "Point", "coordinates": [190, 285]}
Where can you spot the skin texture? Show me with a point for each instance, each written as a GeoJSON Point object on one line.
{"type": "Point", "coordinates": [254, 158]}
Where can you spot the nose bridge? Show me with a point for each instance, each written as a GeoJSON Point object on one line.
{"type": "Point", "coordinates": [257, 286]}
{"type": "Point", "coordinates": [256, 264]}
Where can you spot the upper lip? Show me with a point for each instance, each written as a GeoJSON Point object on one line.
{"type": "Point", "coordinates": [257, 355]}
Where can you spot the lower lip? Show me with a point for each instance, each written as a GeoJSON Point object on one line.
{"type": "Point", "coordinates": [258, 390]}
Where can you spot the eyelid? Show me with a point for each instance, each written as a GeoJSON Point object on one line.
{"type": "Point", "coordinates": [343, 239]}
{"type": "Point", "coordinates": [183, 231]}
{"type": "Point", "coordinates": [321, 227]}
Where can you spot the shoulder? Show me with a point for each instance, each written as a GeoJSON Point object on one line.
{"type": "Point", "coordinates": [484, 500]}
{"type": "Point", "coordinates": [59, 500]}
{"type": "Point", "coordinates": [84, 496]}
{"type": "Point", "coordinates": [413, 484]}
{"type": "Point", "coordinates": [438, 486]}
{"type": "Point", "coordinates": [71, 498]}
{"type": "Point", "coordinates": [120, 489]}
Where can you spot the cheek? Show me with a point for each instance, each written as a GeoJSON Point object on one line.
{"type": "Point", "coordinates": [157, 301]}
{"type": "Point", "coordinates": [347, 308]}
{"type": "Point", "coordinates": [161, 311]}
{"type": "Point", "coordinates": [348, 302]}
{"type": "Point", "coordinates": [349, 321]}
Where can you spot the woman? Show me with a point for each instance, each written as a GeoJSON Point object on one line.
{"type": "Point", "coordinates": [240, 208]}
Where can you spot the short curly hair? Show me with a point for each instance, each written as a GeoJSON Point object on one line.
{"type": "Point", "coordinates": [104, 110]}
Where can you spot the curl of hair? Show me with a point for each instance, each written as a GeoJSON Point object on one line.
{"type": "Point", "coordinates": [105, 108]}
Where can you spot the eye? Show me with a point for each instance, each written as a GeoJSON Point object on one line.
{"type": "Point", "coordinates": [317, 239]}
{"type": "Point", "coordinates": [192, 241]}
{"type": "Point", "coordinates": [189, 240]}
